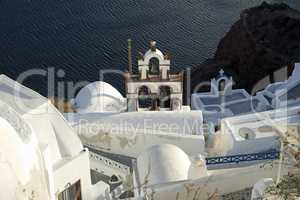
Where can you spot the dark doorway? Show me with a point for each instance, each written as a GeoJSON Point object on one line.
{"type": "Point", "coordinates": [73, 192]}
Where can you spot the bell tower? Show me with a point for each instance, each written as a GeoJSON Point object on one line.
{"type": "Point", "coordinates": [154, 88]}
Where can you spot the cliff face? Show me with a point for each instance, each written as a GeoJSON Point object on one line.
{"type": "Point", "coordinates": [264, 39]}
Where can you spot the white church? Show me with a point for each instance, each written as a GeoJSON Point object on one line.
{"type": "Point", "coordinates": [155, 87]}
{"type": "Point", "coordinates": [152, 112]}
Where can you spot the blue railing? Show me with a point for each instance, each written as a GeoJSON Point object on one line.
{"type": "Point", "coordinates": [272, 155]}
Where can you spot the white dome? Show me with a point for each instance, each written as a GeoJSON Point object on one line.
{"type": "Point", "coordinates": [21, 165]}
{"type": "Point", "coordinates": [99, 97]}
{"type": "Point", "coordinates": [162, 164]}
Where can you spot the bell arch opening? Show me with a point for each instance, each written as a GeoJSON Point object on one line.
{"type": "Point", "coordinates": [144, 98]}
{"type": "Point", "coordinates": [154, 66]}
{"type": "Point", "coordinates": [165, 97]}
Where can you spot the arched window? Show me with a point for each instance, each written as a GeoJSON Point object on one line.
{"type": "Point", "coordinates": [165, 96]}
{"type": "Point", "coordinates": [144, 99]}
{"type": "Point", "coordinates": [154, 66]}
{"type": "Point", "coordinates": [222, 84]}
{"type": "Point", "coordinates": [144, 90]}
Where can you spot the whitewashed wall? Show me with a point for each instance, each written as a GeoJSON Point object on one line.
{"type": "Point", "coordinates": [134, 144]}
{"type": "Point", "coordinates": [132, 133]}
{"type": "Point", "coordinates": [221, 182]}
{"type": "Point", "coordinates": [176, 122]}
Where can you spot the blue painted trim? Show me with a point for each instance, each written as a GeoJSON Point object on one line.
{"type": "Point", "coordinates": [272, 155]}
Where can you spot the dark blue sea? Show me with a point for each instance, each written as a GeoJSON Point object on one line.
{"type": "Point", "coordinates": [83, 36]}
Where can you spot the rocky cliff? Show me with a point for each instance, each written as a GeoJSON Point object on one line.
{"type": "Point", "coordinates": [264, 39]}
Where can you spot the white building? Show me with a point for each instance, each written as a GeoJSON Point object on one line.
{"type": "Point", "coordinates": [223, 101]}
{"type": "Point", "coordinates": [155, 87]}
{"type": "Point", "coordinates": [160, 175]}
{"type": "Point", "coordinates": [283, 94]}
{"type": "Point", "coordinates": [257, 132]}
{"type": "Point", "coordinates": [155, 111]}
{"type": "Point", "coordinates": [41, 157]}
{"type": "Point", "coordinates": [130, 133]}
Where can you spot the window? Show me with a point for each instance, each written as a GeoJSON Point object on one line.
{"type": "Point", "coordinates": [222, 84]}
{"type": "Point", "coordinates": [71, 193]}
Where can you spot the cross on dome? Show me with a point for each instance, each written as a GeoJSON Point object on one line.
{"type": "Point", "coordinates": [221, 72]}
{"type": "Point", "coordinates": [153, 45]}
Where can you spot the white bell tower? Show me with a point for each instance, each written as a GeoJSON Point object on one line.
{"type": "Point", "coordinates": [154, 88]}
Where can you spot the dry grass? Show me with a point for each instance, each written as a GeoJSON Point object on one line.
{"type": "Point", "coordinates": [62, 105]}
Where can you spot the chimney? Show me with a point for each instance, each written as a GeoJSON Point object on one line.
{"type": "Point", "coordinates": [129, 56]}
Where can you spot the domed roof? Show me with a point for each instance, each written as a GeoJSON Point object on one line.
{"type": "Point", "coordinates": [162, 164]}
{"type": "Point", "coordinates": [35, 139]}
{"type": "Point", "coordinates": [99, 97]}
{"type": "Point", "coordinates": [21, 165]}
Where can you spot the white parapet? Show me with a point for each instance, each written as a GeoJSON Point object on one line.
{"type": "Point", "coordinates": [131, 133]}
